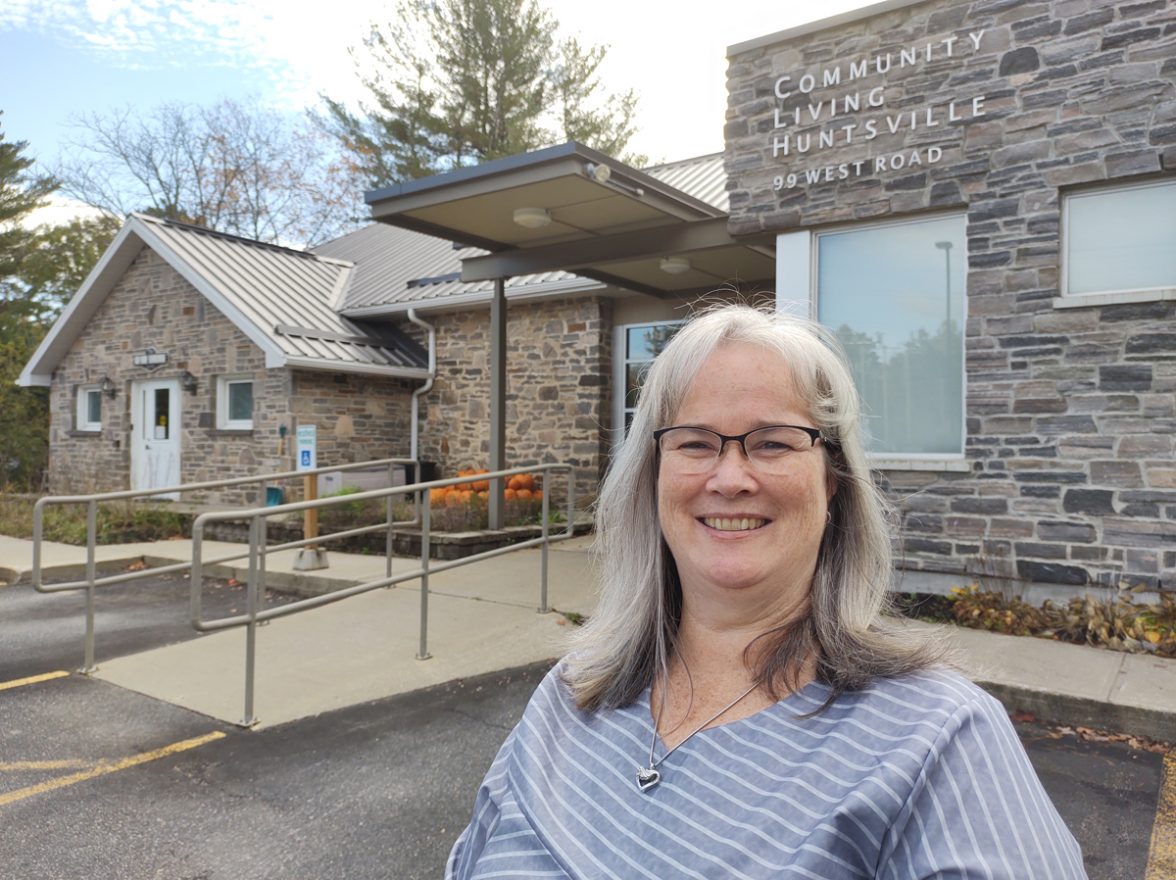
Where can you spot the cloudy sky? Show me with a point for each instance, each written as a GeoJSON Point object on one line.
{"type": "Point", "coordinates": [59, 58]}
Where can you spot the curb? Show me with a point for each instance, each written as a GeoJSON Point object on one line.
{"type": "Point", "coordinates": [1084, 712]}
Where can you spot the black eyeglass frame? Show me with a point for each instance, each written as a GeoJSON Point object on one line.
{"type": "Point", "coordinates": [814, 433]}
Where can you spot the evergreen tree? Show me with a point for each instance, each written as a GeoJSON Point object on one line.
{"type": "Point", "coordinates": [24, 412]}
{"type": "Point", "coordinates": [459, 82]}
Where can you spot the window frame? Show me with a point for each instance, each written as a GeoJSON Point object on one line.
{"type": "Point", "coordinates": [1065, 299]}
{"type": "Point", "coordinates": [797, 291]}
{"type": "Point", "coordinates": [82, 422]}
{"type": "Point", "coordinates": [223, 386]}
{"type": "Point", "coordinates": [621, 363]}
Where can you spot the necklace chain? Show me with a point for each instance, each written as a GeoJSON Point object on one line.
{"type": "Point", "coordinates": [649, 776]}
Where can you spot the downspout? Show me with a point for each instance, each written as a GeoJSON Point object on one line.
{"type": "Point", "coordinates": [424, 389]}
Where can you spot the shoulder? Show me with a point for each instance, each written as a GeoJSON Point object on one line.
{"type": "Point", "coordinates": [926, 699]}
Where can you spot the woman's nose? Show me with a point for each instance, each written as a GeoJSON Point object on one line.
{"type": "Point", "coordinates": [733, 471]}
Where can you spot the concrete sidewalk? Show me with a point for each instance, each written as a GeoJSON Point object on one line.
{"type": "Point", "coordinates": [482, 618]}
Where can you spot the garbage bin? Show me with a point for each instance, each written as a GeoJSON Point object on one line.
{"type": "Point", "coordinates": [273, 496]}
{"type": "Point", "coordinates": [428, 472]}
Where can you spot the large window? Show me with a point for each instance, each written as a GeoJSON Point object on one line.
{"type": "Point", "coordinates": [894, 295]}
{"type": "Point", "coordinates": [637, 346]}
{"type": "Point", "coordinates": [89, 416]}
{"type": "Point", "coordinates": [1120, 239]}
{"type": "Point", "coordinates": [234, 403]}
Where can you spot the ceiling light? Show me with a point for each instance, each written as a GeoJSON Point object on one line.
{"type": "Point", "coordinates": [599, 173]}
{"type": "Point", "coordinates": [675, 265]}
{"type": "Point", "coordinates": [532, 218]}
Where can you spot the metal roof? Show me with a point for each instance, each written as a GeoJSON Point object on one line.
{"type": "Point", "coordinates": [400, 268]}
{"type": "Point", "coordinates": [703, 177]}
{"type": "Point", "coordinates": [282, 299]}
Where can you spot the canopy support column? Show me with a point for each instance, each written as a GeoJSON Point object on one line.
{"type": "Point", "coordinates": [497, 367]}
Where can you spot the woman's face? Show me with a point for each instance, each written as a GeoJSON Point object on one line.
{"type": "Point", "coordinates": [734, 531]}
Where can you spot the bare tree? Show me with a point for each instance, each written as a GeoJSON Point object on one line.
{"type": "Point", "coordinates": [233, 167]}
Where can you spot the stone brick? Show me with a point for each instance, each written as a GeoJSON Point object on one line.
{"type": "Point", "coordinates": [1097, 502]}
{"type": "Point", "coordinates": [1051, 573]}
{"type": "Point", "coordinates": [1125, 377]}
{"type": "Point", "coordinates": [1067, 532]}
{"type": "Point", "coordinates": [1124, 474]}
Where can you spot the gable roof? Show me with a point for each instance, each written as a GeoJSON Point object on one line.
{"type": "Point", "coordinates": [283, 300]}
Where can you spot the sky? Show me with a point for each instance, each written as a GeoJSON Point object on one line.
{"type": "Point", "coordinates": [63, 58]}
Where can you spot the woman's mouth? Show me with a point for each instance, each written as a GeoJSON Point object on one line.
{"type": "Point", "coordinates": [733, 523]}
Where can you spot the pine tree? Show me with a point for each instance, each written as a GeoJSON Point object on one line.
{"type": "Point", "coordinates": [24, 412]}
{"type": "Point", "coordinates": [460, 82]}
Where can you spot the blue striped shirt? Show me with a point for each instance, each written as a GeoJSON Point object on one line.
{"type": "Point", "coordinates": [920, 775]}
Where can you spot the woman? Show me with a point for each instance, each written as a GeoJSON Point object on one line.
{"type": "Point", "coordinates": [735, 707]}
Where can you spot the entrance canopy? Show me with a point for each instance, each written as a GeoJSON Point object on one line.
{"type": "Point", "coordinates": [571, 208]}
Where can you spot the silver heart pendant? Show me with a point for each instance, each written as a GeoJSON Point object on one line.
{"type": "Point", "coordinates": [647, 778]}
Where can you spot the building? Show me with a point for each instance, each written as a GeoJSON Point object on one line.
{"type": "Point", "coordinates": [978, 196]}
{"type": "Point", "coordinates": [188, 355]}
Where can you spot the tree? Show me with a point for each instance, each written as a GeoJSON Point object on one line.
{"type": "Point", "coordinates": [459, 82]}
{"type": "Point", "coordinates": [24, 412]}
{"type": "Point", "coordinates": [20, 194]}
{"type": "Point", "coordinates": [232, 167]}
{"type": "Point", "coordinates": [57, 260]}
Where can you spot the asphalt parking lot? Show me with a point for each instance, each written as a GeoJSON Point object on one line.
{"type": "Point", "coordinates": [99, 781]}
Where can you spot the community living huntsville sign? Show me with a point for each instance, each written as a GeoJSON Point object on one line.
{"type": "Point", "coordinates": [824, 118]}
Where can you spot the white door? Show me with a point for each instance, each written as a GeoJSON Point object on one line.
{"type": "Point", "coordinates": [155, 435]}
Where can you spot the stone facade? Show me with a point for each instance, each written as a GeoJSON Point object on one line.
{"type": "Point", "coordinates": [153, 306]}
{"type": "Point", "coordinates": [558, 389]}
{"type": "Point", "coordinates": [1002, 106]}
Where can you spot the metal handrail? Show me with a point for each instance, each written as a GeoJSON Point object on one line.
{"type": "Point", "coordinates": [92, 581]}
{"type": "Point", "coordinates": [255, 612]}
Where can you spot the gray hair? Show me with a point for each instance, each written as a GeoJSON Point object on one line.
{"type": "Point", "coordinates": [630, 636]}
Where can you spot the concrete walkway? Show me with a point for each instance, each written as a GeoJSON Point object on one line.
{"type": "Point", "coordinates": [482, 618]}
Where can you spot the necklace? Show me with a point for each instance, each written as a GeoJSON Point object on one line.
{"type": "Point", "coordinates": [649, 776]}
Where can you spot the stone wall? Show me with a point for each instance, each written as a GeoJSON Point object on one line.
{"type": "Point", "coordinates": [1071, 412]}
{"type": "Point", "coordinates": [357, 417]}
{"type": "Point", "coordinates": [558, 389]}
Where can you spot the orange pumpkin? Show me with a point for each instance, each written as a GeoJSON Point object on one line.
{"type": "Point", "coordinates": [510, 494]}
{"type": "Point", "coordinates": [523, 494]}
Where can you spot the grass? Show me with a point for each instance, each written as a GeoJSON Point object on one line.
{"type": "Point", "coordinates": [118, 522]}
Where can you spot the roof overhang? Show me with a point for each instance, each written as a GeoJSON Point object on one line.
{"type": "Point", "coordinates": [604, 219]}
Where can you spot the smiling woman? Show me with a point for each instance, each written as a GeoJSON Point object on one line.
{"type": "Point", "coordinates": [737, 706]}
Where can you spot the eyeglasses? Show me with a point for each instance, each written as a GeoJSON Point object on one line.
{"type": "Point", "coordinates": [690, 450]}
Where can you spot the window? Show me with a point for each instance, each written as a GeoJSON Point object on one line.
{"type": "Point", "coordinates": [89, 416]}
{"type": "Point", "coordinates": [1120, 239]}
{"type": "Point", "coordinates": [234, 403]}
{"type": "Point", "coordinates": [893, 293]}
{"type": "Point", "coordinates": [637, 346]}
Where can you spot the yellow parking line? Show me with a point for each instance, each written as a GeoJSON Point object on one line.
{"type": "Point", "coordinates": [103, 768]}
{"type": "Point", "coordinates": [32, 679]}
{"type": "Point", "coordinates": [21, 766]}
{"type": "Point", "coordinates": [1161, 855]}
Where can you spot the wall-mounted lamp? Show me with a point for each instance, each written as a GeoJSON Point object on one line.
{"type": "Point", "coordinates": [674, 265]}
{"type": "Point", "coordinates": [108, 387]}
{"type": "Point", "coordinates": [188, 382]}
{"type": "Point", "coordinates": [532, 218]}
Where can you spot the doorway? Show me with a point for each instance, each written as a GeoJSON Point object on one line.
{"type": "Point", "coordinates": [155, 435]}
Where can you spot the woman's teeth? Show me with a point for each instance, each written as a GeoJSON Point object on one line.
{"type": "Point", "coordinates": [734, 524]}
